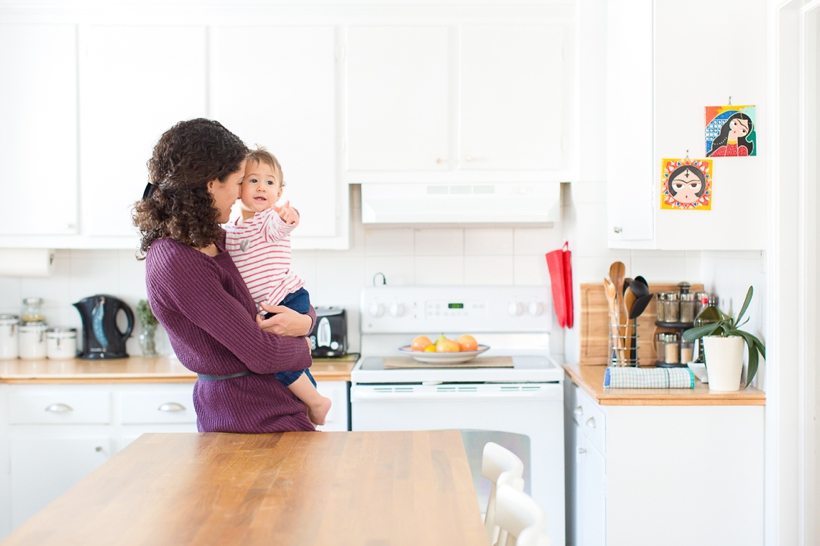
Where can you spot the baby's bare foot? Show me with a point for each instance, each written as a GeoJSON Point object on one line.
{"type": "Point", "coordinates": [317, 413]}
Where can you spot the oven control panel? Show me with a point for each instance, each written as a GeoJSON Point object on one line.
{"type": "Point", "coordinates": [408, 309]}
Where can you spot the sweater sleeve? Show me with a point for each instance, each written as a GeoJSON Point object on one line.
{"type": "Point", "coordinates": [275, 228]}
{"type": "Point", "coordinates": [193, 288]}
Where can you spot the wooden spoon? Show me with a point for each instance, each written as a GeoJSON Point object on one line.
{"type": "Point", "coordinates": [609, 290]}
{"type": "Point", "coordinates": [617, 272]}
{"type": "Point", "coordinates": [629, 301]}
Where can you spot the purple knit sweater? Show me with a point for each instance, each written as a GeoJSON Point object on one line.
{"type": "Point", "coordinates": [208, 313]}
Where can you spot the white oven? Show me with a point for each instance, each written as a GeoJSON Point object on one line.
{"type": "Point", "coordinates": [519, 405]}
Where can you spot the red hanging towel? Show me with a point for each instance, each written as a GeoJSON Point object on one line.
{"type": "Point", "coordinates": [560, 269]}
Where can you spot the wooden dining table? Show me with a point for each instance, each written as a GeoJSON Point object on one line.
{"type": "Point", "coordinates": [299, 488]}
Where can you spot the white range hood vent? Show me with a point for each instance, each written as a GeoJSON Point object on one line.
{"type": "Point", "coordinates": [483, 203]}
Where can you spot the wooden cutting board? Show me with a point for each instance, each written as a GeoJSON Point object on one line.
{"type": "Point", "coordinates": [595, 324]}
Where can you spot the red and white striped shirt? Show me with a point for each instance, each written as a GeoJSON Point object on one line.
{"type": "Point", "coordinates": [260, 248]}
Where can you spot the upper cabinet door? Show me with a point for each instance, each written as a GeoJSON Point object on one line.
{"type": "Point", "coordinates": [276, 87]}
{"type": "Point", "coordinates": [398, 98]}
{"type": "Point", "coordinates": [136, 83]}
{"type": "Point", "coordinates": [38, 129]}
{"type": "Point", "coordinates": [511, 97]}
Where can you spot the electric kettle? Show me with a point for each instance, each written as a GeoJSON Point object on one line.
{"type": "Point", "coordinates": [102, 339]}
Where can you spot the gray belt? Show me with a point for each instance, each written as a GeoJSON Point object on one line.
{"type": "Point", "coordinates": [205, 377]}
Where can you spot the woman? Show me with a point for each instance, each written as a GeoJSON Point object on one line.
{"type": "Point", "coordinates": [731, 141]}
{"type": "Point", "coordinates": [198, 295]}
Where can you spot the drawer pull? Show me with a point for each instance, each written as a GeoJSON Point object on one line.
{"type": "Point", "coordinates": [171, 406]}
{"type": "Point", "coordinates": [98, 449]}
{"type": "Point", "coordinates": [591, 422]}
{"type": "Point", "coordinates": [582, 450]}
{"type": "Point", "coordinates": [59, 408]}
{"type": "Point", "coordinates": [579, 411]}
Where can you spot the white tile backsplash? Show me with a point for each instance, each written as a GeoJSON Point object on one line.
{"type": "Point", "coordinates": [388, 241]}
{"type": "Point", "coordinates": [439, 242]}
{"type": "Point", "coordinates": [488, 242]}
{"type": "Point", "coordinates": [536, 240]}
{"type": "Point", "coordinates": [439, 270]}
{"type": "Point", "coordinates": [397, 270]}
{"type": "Point", "coordinates": [530, 271]}
{"type": "Point", "coordinates": [488, 271]}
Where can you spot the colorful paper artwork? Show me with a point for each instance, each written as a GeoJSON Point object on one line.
{"type": "Point", "coordinates": [730, 131]}
{"type": "Point", "coordinates": [686, 184]}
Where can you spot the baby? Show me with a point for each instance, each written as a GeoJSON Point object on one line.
{"type": "Point", "coordinates": [259, 243]}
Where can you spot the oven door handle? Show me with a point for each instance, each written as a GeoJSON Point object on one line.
{"type": "Point", "coordinates": [367, 395]}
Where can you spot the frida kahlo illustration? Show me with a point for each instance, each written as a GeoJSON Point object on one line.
{"type": "Point", "coordinates": [730, 131]}
{"type": "Point", "coordinates": [686, 184]}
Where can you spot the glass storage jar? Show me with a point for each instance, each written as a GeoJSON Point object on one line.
{"type": "Point", "coordinates": [687, 351]}
{"type": "Point", "coordinates": [661, 308]}
{"type": "Point", "coordinates": [33, 310]}
{"type": "Point", "coordinates": [671, 349]}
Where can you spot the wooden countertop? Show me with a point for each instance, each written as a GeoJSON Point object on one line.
{"type": "Point", "coordinates": [591, 380]}
{"type": "Point", "coordinates": [137, 369]}
{"type": "Point", "coordinates": [306, 488]}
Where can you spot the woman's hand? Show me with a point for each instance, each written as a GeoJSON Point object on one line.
{"type": "Point", "coordinates": [286, 322]}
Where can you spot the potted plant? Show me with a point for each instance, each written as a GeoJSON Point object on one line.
{"type": "Point", "coordinates": [149, 322]}
{"type": "Point", "coordinates": [723, 342]}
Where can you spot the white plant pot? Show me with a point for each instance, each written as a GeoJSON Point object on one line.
{"type": "Point", "coordinates": [724, 362]}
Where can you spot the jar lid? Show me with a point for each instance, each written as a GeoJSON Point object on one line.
{"type": "Point", "coordinates": [670, 337]}
{"type": "Point", "coordinates": [672, 296]}
{"type": "Point", "coordinates": [33, 301]}
{"type": "Point", "coordinates": [35, 324]}
{"type": "Point", "coordinates": [688, 297]}
{"type": "Point", "coordinates": [684, 287]}
{"type": "Point", "coordinates": [9, 317]}
{"type": "Point", "coordinates": [59, 330]}
{"type": "Point", "coordinates": [661, 296]}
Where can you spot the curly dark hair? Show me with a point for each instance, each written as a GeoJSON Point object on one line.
{"type": "Point", "coordinates": [188, 156]}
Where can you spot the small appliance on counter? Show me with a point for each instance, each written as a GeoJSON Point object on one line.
{"type": "Point", "coordinates": [102, 339]}
{"type": "Point", "coordinates": [328, 339]}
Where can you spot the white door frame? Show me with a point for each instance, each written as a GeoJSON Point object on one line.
{"type": "Point", "coordinates": [792, 323]}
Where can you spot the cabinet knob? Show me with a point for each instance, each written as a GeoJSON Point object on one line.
{"type": "Point", "coordinates": [468, 158]}
{"type": "Point", "coordinates": [439, 160]}
{"type": "Point", "coordinates": [171, 406]}
{"type": "Point", "coordinates": [617, 229]}
{"type": "Point", "coordinates": [98, 449]}
{"type": "Point", "coordinates": [591, 422]}
{"type": "Point", "coordinates": [579, 411]}
{"type": "Point", "coordinates": [59, 408]}
{"type": "Point", "coordinates": [582, 450]}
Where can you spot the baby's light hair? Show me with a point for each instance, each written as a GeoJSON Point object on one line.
{"type": "Point", "coordinates": [261, 155]}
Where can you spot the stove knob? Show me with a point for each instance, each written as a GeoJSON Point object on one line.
{"type": "Point", "coordinates": [514, 308]}
{"type": "Point", "coordinates": [376, 309]}
{"type": "Point", "coordinates": [396, 309]}
{"type": "Point", "coordinates": [535, 308]}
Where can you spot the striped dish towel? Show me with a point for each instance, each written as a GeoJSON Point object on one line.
{"type": "Point", "coordinates": [649, 378]}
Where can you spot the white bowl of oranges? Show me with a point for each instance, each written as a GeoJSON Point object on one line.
{"type": "Point", "coordinates": [444, 350]}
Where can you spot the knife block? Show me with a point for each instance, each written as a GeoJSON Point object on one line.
{"type": "Point", "coordinates": [594, 324]}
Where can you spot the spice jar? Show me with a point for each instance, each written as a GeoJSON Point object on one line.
{"type": "Point", "coordinates": [687, 308]}
{"type": "Point", "coordinates": [671, 307]}
{"type": "Point", "coordinates": [8, 336]}
{"type": "Point", "coordinates": [33, 310]}
{"type": "Point", "coordinates": [32, 340]}
{"type": "Point", "coordinates": [687, 351]}
{"type": "Point", "coordinates": [671, 350]}
{"type": "Point", "coordinates": [661, 309]}
{"type": "Point", "coordinates": [61, 343]}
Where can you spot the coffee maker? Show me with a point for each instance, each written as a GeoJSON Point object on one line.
{"type": "Point", "coordinates": [102, 338]}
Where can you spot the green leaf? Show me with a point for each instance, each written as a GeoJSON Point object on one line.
{"type": "Point", "coordinates": [696, 333]}
{"type": "Point", "coordinates": [746, 303]}
{"type": "Point", "coordinates": [751, 346]}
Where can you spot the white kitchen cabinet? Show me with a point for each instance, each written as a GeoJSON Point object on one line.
{"type": "Point", "coordinates": [659, 80]}
{"type": "Point", "coordinates": [283, 97]}
{"type": "Point", "coordinates": [38, 139]}
{"type": "Point", "coordinates": [337, 417]}
{"type": "Point", "coordinates": [454, 103]}
{"type": "Point", "coordinates": [399, 104]}
{"type": "Point", "coordinates": [672, 475]}
{"type": "Point", "coordinates": [135, 83]}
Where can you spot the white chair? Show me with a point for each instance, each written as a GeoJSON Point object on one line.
{"type": "Point", "coordinates": [517, 514]}
{"type": "Point", "coordinates": [502, 467]}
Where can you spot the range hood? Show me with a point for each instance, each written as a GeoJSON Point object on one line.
{"type": "Point", "coordinates": [484, 203]}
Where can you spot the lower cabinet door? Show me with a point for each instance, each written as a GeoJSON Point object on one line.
{"type": "Point", "coordinates": [337, 416]}
{"type": "Point", "coordinates": [593, 480]}
{"type": "Point", "coordinates": [42, 469]}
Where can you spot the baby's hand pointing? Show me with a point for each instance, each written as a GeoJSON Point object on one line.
{"type": "Point", "coordinates": [287, 213]}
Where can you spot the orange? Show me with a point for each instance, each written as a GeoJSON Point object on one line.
{"type": "Point", "coordinates": [430, 349]}
{"type": "Point", "coordinates": [420, 343]}
{"type": "Point", "coordinates": [467, 343]}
